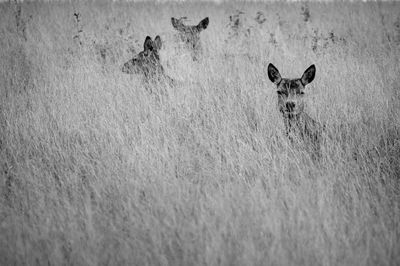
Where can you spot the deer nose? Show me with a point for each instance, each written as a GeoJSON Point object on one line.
{"type": "Point", "coordinates": [290, 106]}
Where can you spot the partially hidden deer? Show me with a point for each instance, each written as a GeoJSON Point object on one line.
{"type": "Point", "coordinates": [190, 34]}
{"type": "Point", "coordinates": [147, 63]}
{"type": "Point", "coordinates": [298, 124]}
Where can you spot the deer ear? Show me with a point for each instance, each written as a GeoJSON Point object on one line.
{"type": "Point", "coordinates": [148, 44]}
{"type": "Point", "coordinates": [308, 75]}
{"type": "Point", "coordinates": [273, 74]}
{"type": "Point", "coordinates": [157, 42]}
{"type": "Point", "coordinates": [176, 23]}
{"type": "Point", "coordinates": [203, 24]}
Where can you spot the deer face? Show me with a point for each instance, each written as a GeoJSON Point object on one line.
{"type": "Point", "coordinates": [291, 91]}
{"type": "Point", "coordinates": [190, 35]}
{"type": "Point", "coordinates": [146, 62]}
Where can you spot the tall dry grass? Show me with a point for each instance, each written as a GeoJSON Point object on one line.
{"type": "Point", "coordinates": [97, 171]}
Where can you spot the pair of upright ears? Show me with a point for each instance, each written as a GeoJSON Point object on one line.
{"type": "Point", "coordinates": [178, 24]}
{"type": "Point", "coordinates": [151, 45]}
{"type": "Point", "coordinates": [275, 76]}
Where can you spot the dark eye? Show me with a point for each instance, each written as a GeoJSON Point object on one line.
{"type": "Point", "coordinates": [302, 93]}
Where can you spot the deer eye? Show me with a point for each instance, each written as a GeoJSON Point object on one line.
{"type": "Point", "coordinates": [302, 93]}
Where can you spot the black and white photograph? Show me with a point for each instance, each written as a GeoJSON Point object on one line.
{"type": "Point", "coordinates": [199, 132]}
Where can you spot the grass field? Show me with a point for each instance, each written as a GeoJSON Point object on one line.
{"type": "Point", "coordinates": [95, 170]}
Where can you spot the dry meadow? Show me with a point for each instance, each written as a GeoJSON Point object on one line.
{"type": "Point", "coordinates": [96, 169]}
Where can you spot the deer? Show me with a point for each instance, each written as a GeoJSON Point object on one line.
{"type": "Point", "coordinates": [190, 35]}
{"type": "Point", "coordinates": [147, 63]}
{"type": "Point", "coordinates": [298, 124]}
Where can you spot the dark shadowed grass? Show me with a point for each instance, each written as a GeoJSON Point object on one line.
{"type": "Point", "coordinates": [97, 170]}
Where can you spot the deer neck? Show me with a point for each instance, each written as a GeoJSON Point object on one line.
{"type": "Point", "coordinates": [294, 122]}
